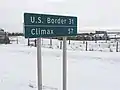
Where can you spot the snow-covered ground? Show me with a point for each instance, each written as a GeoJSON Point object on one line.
{"type": "Point", "coordinates": [95, 69]}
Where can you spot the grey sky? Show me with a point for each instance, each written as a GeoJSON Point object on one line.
{"type": "Point", "coordinates": [90, 13]}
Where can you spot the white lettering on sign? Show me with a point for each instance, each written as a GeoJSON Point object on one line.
{"type": "Point", "coordinates": [32, 19]}
{"type": "Point", "coordinates": [35, 19]}
{"type": "Point", "coordinates": [70, 30]}
{"type": "Point", "coordinates": [48, 32]}
{"type": "Point", "coordinates": [39, 31]}
{"type": "Point", "coordinates": [33, 31]}
{"type": "Point", "coordinates": [39, 20]}
{"type": "Point", "coordinates": [43, 32]}
{"type": "Point", "coordinates": [56, 21]}
{"type": "Point", "coordinates": [52, 32]}
{"type": "Point", "coordinates": [71, 21]}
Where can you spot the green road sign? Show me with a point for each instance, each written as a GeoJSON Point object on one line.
{"type": "Point", "coordinates": [44, 25]}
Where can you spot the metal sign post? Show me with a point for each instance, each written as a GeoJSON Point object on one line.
{"type": "Point", "coordinates": [39, 64]}
{"type": "Point", "coordinates": [64, 64]}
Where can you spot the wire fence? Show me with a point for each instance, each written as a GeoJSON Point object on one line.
{"type": "Point", "coordinates": [103, 46]}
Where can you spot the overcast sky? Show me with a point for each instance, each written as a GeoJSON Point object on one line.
{"type": "Point", "coordinates": [90, 13]}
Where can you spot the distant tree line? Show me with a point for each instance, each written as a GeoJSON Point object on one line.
{"type": "Point", "coordinates": [15, 34]}
{"type": "Point", "coordinates": [82, 36]}
{"type": "Point", "coordinates": [88, 37]}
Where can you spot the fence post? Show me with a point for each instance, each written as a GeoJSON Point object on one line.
{"type": "Point", "coordinates": [61, 44]}
{"type": "Point", "coordinates": [95, 39]}
{"type": "Point", "coordinates": [69, 41]}
{"type": "Point", "coordinates": [5, 40]}
{"type": "Point", "coordinates": [35, 43]}
{"type": "Point", "coordinates": [50, 42]}
{"type": "Point", "coordinates": [86, 45]}
{"type": "Point", "coordinates": [17, 40]}
{"type": "Point", "coordinates": [28, 42]}
{"type": "Point", "coordinates": [117, 47]}
{"type": "Point", "coordinates": [106, 39]}
{"type": "Point", "coordinates": [83, 41]}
